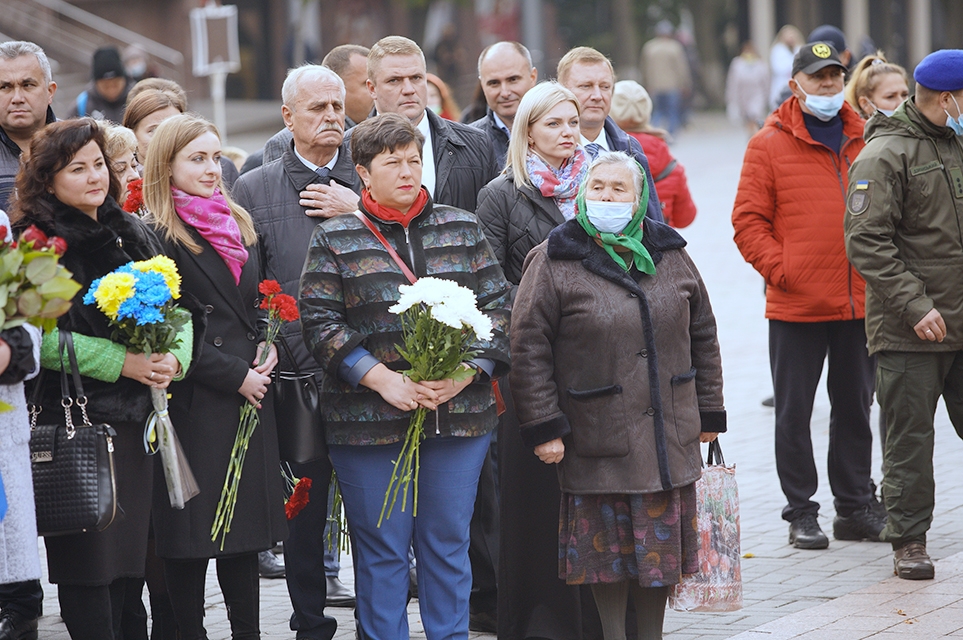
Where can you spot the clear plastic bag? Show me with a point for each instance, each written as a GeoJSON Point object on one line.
{"type": "Point", "coordinates": [718, 584]}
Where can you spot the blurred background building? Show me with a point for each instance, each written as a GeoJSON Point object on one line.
{"type": "Point", "coordinates": [276, 34]}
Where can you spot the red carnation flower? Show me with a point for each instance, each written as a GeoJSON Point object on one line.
{"type": "Point", "coordinates": [286, 306]}
{"type": "Point", "coordinates": [135, 196]}
{"type": "Point", "coordinates": [299, 499]}
{"type": "Point", "coordinates": [3, 233]}
{"type": "Point", "coordinates": [269, 287]}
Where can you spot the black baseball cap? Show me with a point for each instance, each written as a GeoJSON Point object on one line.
{"type": "Point", "coordinates": [815, 56]}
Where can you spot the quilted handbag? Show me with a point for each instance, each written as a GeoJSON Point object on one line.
{"type": "Point", "coordinates": [73, 465]}
{"type": "Point", "coordinates": [297, 409]}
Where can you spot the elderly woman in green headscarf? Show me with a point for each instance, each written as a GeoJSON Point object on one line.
{"type": "Point", "coordinates": [617, 378]}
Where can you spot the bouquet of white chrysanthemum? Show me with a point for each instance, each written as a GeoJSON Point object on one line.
{"type": "Point", "coordinates": [440, 320]}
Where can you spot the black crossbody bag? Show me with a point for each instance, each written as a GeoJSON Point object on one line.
{"type": "Point", "coordinates": [297, 409]}
{"type": "Point", "coordinates": [74, 485]}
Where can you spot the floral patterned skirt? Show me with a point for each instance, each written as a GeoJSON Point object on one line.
{"type": "Point", "coordinates": [651, 538]}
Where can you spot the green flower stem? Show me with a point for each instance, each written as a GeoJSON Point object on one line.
{"type": "Point", "coordinates": [405, 461]}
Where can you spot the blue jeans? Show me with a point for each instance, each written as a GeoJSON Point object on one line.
{"type": "Point", "coordinates": [667, 110]}
{"type": "Point", "coordinates": [447, 484]}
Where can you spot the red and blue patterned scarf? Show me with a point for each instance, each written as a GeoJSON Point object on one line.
{"type": "Point", "coordinates": [563, 183]}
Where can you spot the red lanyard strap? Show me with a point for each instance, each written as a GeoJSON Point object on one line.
{"type": "Point", "coordinates": [391, 250]}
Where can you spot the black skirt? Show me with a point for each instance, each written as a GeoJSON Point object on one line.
{"type": "Point", "coordinates": [98, 558]}
{"type": "Point", "coordinates": [532, 601]}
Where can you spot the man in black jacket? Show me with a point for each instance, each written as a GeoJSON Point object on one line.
{"type": "Point", "coordinates": [462, 158]}
{"type": "Point", "coordinates": [313, 112]}
{"type": "Point", "coordinates": [506, 74]}
{"type": "Point", "coordinates": [590, 76]}
{"type": "Point", "coordinates": [26, 93]}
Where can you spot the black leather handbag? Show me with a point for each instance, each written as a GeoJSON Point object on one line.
{"type": "Point", "coordinates": [73, 465]}
{"type": "Point", "coordinates": [297, 409]}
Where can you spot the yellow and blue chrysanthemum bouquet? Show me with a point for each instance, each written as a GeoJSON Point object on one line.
{"type": "Point", "coordinates": [139, 299]}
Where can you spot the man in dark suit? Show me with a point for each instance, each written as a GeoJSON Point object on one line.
{"type": "Point", "coordinates": [506, 74]}
{"type": "Point", "coordinates": [313, 112]}
{"type": "Point", "coordinates": [590, 76]}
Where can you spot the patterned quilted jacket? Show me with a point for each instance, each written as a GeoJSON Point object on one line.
{"type": "Point", "coordinates": [788, 218]}
{"type": "Point", "coordinates": [349, 281]}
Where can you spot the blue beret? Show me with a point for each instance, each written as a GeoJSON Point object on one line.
{"type": "Point", "coordinates": [941, 70]}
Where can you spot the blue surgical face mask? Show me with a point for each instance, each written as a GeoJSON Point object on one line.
{"type": "Point", "coordinates": [609, 217]}
{"type": "Point", "coordinates": [956, 124]}
{"type": "Point", "coordinates": [824, 107]}
{"type": "Point", "coordinates": [886, 112]}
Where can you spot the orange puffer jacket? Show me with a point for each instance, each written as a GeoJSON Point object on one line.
{"type": "Point", "coordinates": [788, 218]}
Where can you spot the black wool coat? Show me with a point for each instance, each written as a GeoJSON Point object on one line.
{"type": "Point", "coordinates": [94, 249]}
{"type": "Point", "coordinates": [205, 410]}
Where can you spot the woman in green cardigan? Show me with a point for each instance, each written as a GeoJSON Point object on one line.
{"type": "Point", "coordinates": [66, 188]}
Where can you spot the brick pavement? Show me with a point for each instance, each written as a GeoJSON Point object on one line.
{"type": "Point", "coordinates": [840, 593]}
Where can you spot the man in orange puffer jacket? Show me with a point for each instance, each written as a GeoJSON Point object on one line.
{"type": "Point", "coordinates": [788, 220]}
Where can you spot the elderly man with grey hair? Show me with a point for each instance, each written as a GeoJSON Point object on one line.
{"type": "Point", "coordinates": [313, 111]}
{"type": "Point", "coordinates": [26, 92]}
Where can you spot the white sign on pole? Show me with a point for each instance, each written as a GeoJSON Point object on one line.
{"type": "Point", "coordinates": [216, 52]}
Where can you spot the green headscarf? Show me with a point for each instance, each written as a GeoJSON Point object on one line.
{"type": "Point", "coordinates": [631, 236]}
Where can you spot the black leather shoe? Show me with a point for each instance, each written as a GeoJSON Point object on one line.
{"type": "Point", "coordinates": [804, 533]}
{"type": "Point", "coordinates": [769, 402]}
{"type": "Point", "coordinates": [14, 626]}
{"type": "Point", "coordinates": [269, 566]}
{"type": "Point", "coordinates": [484, 622]}
{"type": "Point", "coordinates": [339, 595]}
{"type": "Point", "coordinates": [862, 524]}
{"type": "Point", "coordinates": [876, 502]}
{"type": "Point", "coordinates": [911, 562]}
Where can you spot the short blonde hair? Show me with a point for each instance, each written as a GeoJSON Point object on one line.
{"type": "Point", "coordinates": [171, 136]}
{"type": "Point", "coordinates": [581, 55]}
{"type": "Point", "coordinates": [119, 140]}
{"type": "Point", "coordinates": [392, 46]}
{"type": "Point", "coordinates": [538, 101]}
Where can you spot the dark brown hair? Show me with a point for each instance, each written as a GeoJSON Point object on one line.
{"type": "Point", "coordinates": [385, 132]}
{"type": "Point", "coordinates": [148, 102]}
{"type": "Point", "coordinates": [52, 149]}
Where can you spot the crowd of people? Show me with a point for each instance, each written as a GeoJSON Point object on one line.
{"type": "Point", "coordinates": [557, 483]}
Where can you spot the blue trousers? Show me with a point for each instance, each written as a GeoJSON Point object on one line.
{"type": "Point", "coordinates": [667, 110]}
{"type": "Point", "coordinates": [447, 484]}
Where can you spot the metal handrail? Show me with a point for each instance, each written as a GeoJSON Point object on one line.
{"type": "Point", "coordinates": [107, 28]}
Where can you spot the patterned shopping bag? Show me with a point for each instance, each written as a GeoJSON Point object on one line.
{"type": "Point", "coordinates": [718, 584]}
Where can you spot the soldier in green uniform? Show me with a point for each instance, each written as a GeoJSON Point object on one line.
{"type": "Point", "coordinates": [904, 234]}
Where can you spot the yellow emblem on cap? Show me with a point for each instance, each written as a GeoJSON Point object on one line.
{"type": "Point", "coordinates": [822, 50]}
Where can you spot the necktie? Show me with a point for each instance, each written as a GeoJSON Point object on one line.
{"type": "Point", "coordinates": [592, 149]}
{"type": "Point", "coordinates": [323, 173]}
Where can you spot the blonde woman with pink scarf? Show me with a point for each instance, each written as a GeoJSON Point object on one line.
{"type": "Point", "coordinates": [213, 242]}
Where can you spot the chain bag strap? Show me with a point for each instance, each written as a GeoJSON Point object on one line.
{"type": "Point", "coordinates": [73, 465]}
